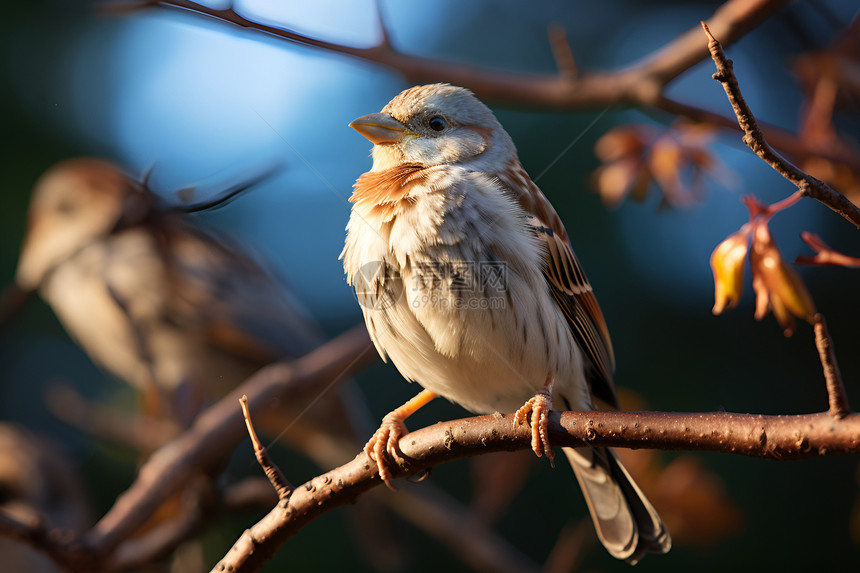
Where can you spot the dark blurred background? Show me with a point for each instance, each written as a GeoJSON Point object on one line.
{"type": "Point", "coordinates": [200, 104]}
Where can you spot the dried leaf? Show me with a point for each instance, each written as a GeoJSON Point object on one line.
{"type": "Point", "coordinates": [777, 285]}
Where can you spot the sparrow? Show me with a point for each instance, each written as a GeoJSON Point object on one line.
{"type": "Point", "coordinates": [468, 283]}
{"type": "Point", "coordinates": [175, 311]}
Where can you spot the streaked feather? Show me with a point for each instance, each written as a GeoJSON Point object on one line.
{"type": "Point", "coordinates": [568, 284]}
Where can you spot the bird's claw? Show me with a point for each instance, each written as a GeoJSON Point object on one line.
{"type": "Point", "coordinates": [382, 448]}
{"type": "Point", "coordinates": [538, 408]}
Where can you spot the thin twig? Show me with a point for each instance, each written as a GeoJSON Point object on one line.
{"type": "Point", "coordinates": [838, 399]}
{"type": "Point", "coordinates": [754, 138]}
{"type": "Point", "coordinates": [279, 481]}
{"type": "Point", "coordinates": [824, 255]}
{"type": "Point", "coordinates": [561, 51]}
{"type": "Point", "coordinates": [385, 40]}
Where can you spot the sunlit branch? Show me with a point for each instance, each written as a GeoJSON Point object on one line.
{"type": "Point", "coordinates": [837, 398]}
{"type": "Point", "coordinates": [640, 84]}
{"type": "Point", "coordinates": [770, 437]}
{"type": "Point", "coordinates": [754, 138]}
{"type": "Point", "coordinates": [282, 486]}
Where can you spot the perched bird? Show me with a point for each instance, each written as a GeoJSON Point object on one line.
{"type": "Point", "coordinates": [469, 284]}
{"type": "Point", "coordinates": [170, 309]}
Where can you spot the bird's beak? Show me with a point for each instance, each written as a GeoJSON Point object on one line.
{"type": "Point", "coordinates": [381, 128]}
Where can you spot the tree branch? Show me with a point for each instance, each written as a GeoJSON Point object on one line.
{"type": "Point", "coordinates": [282, 486]}
{"type": "Point", "coordinates": [754, 138]}
{"type": "Point", "coordinates": [110, 545]}
{"type": "Point", "coordinates": [770, 437]}
{"type": "Point", "coordinates": [107, 423]}
{"type": "Point", "coordinates": [199, 450]}
{"type": "Point", "coordinates": [639, 84]}
{"type": "Point", "coordinates": [52, 543]}
{"type": "Point", "coordinates": [837, 398]}
{"type": "Point", "coordinates": [197, 509]}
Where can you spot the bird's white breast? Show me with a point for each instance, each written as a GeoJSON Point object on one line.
{"type": "Point", "coordinates": [472, 318]}
{"type": "Point", "coordinates": [116, 299]}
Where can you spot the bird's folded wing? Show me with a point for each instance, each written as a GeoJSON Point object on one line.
{"type": "Point", "coordinates": [241, 308]}
{"type": "Point", "coordinates": [573, 293]}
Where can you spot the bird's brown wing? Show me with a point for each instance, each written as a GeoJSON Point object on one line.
{"type": "Point", "coordinates": [232, 300]}
{"type": "Point", "coordinates": [569, 286]}
{"type": "Point", "coordinates": [573, 293]}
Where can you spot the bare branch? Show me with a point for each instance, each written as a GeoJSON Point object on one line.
{"type": "Point", "coordinates": [561, 51]}
{"type": "Point", "coordinates": [771, 437]}
{"type": "Point", "coordinates": [160, 541]}
{"type": "Point", "coordinates": [383, 28]}
{"type": "Point", "coordinates": [839, 407]}
{"type": "Point", "coordinates": [641, 83]}
{"type": "Point", "coordinates": [202, 447]}
{"type": "Point", "coordinates": [824, 255]}
{"type": "Point", "coordinates": [54, 544]}
{"type": "Point", "coordinates": [753, 137]}
{"type": "Point", "coordinates": [179, 462]}
{"type": "Point", "coordinates": [140, 433]}
{"type": "Point", "coordinates": [282, 486]}
{"type": "Point", "coordinates": [250, 493]}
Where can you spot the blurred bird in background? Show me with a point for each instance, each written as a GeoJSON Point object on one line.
{"type": "Point", "coordinates": [172, 310]}
{"type": "Point", "coordinates": [179, 314]}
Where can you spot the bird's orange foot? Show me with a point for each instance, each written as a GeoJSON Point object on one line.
{"type": "Point", "coordinates": [539, 406]}
{"type": "Point", "coordinates": [384, 441]}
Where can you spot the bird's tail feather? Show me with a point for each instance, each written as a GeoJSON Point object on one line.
{"type": "Point", "coordinates": [626, 523]}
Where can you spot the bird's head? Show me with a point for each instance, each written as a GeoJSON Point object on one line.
{"type": "Point", "coordinates": [73, 203]}
{"type": "Point", "coordinates": [436, 124]}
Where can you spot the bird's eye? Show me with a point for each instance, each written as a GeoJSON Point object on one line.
{"type": "Point", "coordinates": [436, 123]}
{"type": "Point", "coordinates": [66, 206]}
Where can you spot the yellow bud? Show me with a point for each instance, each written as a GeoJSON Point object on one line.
{"type": "Point", "coordinates": [727, 264]}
